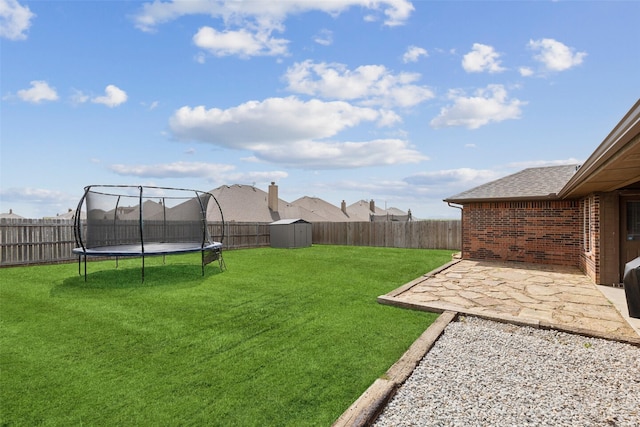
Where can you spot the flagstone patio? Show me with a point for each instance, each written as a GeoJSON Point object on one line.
{"type": "Point", "coordinates": [555, 297]}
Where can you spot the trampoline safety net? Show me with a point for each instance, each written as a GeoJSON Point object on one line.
{"type": "Point", "coordinates": [144, 220]}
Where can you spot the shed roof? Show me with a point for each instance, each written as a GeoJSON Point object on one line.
{"type": "Point", "coordinates": [290, 221]}
{"type": "Point", "coordinates": [531, 183]}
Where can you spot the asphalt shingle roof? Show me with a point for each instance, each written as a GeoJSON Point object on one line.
{"type": "Point", "coordinates": [532, 183]}
{"type": "Point", "coordinates": [245, 203]}
{"type": "Point", "coordinates": [323, 209]}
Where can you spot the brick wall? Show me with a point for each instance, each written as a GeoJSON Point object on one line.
{"type": "Point", "coordinates": [544, 232]}
{"type": "Point", "coordinates": [590, 243]}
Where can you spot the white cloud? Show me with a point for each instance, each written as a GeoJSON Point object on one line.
{"type": "Point", "coordinates": [338, 155]}
{"type": "Point", "coordinates": [414, 53]}
{"type": "Point", "coordinates": [33, 194]}
{"type": "Point", "coordinates": [113, 97]}
{"type": "Point", "coordinates": [542, 163]}
{"type": "Point", "coordinates": [212, 172]}
{"type": "Point", "coordinates": [78, 97]}
{"type": "Point", "coordinates": [554, 55]}
{"type": "Point", "coordinates": [15, 20]}
{"type": "Point", "coordinates": [274, 120]}
{"type": "Point", "coordinates": [445, 183]}
{"type": "Point", "coordinates": [39, 91]}
{"type": "Point", "coordinates": [242, 42]}
{"type": "Point", "coordinates": [324, 37]}
{"type": "Point", "coordinates": [173, 170]}
{"type": "Point", "coordinates": [399, 13]}
{"type": "Point", "coordinates": [37, 202]}
{"type": "Point", "coordinates": [453, 177]}
{"type": "Point", "coordinates": [267, 14]}
{"type": "Point", "coordinates": [293, 132]}
{"type": "Point", "coordinates": [256, 176]}
{"type": "Point", "coordinates": [525, 71]}
{"type": "Point", "coordinates": [482, 58]}
{"type": "Point", "coordinates": [200, 57]}
{"type": "Point", "coordinates": [249, 24]}
{"type": "Point", "coordinates": [367, 84]}
{"type": "Point", "coordinates": [489, 105]}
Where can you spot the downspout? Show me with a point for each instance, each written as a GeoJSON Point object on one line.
{"type": "Point", "coordinates": [461, 226]}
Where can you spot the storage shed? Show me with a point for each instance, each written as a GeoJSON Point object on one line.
{"type": "Point", "coordinates": [290, 233]}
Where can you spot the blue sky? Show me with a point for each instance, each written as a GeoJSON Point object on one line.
{"type": "Point", "coordinates": [403, 102]}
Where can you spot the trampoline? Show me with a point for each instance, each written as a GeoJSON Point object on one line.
{"type": "Point", "coordinates": [140, 221]}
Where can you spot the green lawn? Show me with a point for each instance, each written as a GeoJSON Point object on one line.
{"type": "Point", "coordinates": [283, 337]}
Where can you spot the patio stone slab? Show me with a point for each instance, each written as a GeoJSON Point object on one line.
{"type": "Point", "coordinates": [550, 296]}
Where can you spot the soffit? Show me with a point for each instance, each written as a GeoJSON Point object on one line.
{"type": "Point", "coordinates": [614, 165]}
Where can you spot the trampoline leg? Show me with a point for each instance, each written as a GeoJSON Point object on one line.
{"type": "Point", "coordinates": [221, 263]}
{"type": "Point", "coordinates": [142, 268]}
{"type": "Point", "coordinates": [85, 268]}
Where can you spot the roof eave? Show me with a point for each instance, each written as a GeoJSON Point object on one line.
{"type": "Point", "coordinates": [463, 201]}
{"type": "Point", "coordinates": [621, 134]}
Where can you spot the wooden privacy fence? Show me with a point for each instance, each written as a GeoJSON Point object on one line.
{"type": "Point", "coordinates": [40, 241]}
{"type": "Point", "coordinates": [430, 234]}
{"type": "Point", "coordinates": [33, 241]}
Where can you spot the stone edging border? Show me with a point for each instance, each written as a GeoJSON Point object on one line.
{"type": "Point", "coordinates": [368, 406]}
{"type": "Point", "coordinates": [439, 307]}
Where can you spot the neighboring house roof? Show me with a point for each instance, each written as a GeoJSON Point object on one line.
{"type": "Point", "coordinates": [396, 211]}
{"type": "Point", "coordinates": [245, 203]}
{"type": "Point", "coordinates": [69, 215]}
{"type": "Point", "coordinates": [11, 215]}
{"type": "Point", "coordinates": [323, 209]}
{"type": "Point", "coordinates": [528, 184]}
{"type": "Point", "coordinates": [615, 164]}
{"type": "Point", "coordinates": [151, 209]}
{"type": "Point", "coordinates": [239, 203]}
{"type": "Point", "coordinates": [242, 203]}
{"type": "Point", "coordinates": [290, 210]}
{"type": "Point", "coordinates": [362, 210]}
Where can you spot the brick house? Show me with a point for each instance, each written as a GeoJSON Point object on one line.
{"type": "Point", "coordinates": [578, 215]}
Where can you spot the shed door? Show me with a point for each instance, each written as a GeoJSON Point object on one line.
{"type": "Point", "coordinates": [630, 230]}
{"type": "Point", "coordinates": [301, 239]}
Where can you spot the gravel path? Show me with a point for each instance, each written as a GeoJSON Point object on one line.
{"type": "Point", "coordinates": [483, 373]}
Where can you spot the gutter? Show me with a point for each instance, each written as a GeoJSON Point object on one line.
{"type": "Point", "coordinates": [550, 196]}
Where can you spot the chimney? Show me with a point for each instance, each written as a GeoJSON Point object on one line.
{"type": "Point", "coordinates": [343, 207]}
{"type": "Point", "coordinates": [273, 197]}
{"type": "Point", "coordinates": [372, 206]}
